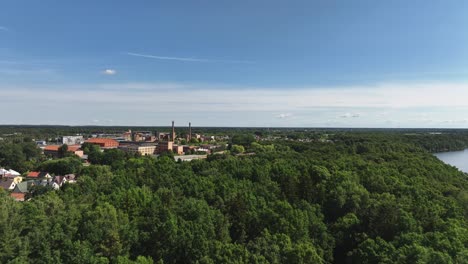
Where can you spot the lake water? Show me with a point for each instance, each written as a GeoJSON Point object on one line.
{"type": "Point", "coordinates": [458, 159]}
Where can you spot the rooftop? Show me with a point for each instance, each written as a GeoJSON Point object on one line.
{"type": "Point", "coordinates": [72, 148]}
{"type": "Point", "coordinates": [101, 140]}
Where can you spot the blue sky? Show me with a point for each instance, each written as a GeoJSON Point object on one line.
{"type": "Point", "coordinates": [235, 63]}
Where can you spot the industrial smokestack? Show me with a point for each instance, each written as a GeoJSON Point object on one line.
{"type": "Point", "coordinates": [190, 131]}
{"type": "Point", "coordinates": [173, 131]}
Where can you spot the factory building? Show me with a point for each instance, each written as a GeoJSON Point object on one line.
{"type": "Point", "coordinates": [142, 149]}
{"type": "Point", "coordinates": [103, 142]}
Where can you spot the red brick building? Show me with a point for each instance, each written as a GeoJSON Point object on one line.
{"type": "Point", "coordinates": [164, 146]}
{"type": "Point", "coordinates": [104, 142]}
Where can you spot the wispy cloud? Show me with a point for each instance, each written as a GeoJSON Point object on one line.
{"type": "Point", "coordinates": [184, 58]}
{"type": "Point", "coordinates": [350, 115]}
{"type": "Point", "coordinates": [4, 28]}
{"type": "Point", "coordinates": [29, 72]}
{"type": "Point", "coordinates": [27, 68]}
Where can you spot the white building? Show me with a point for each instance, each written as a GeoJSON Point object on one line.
{"type": "Point", "coordinates": [72, 140]}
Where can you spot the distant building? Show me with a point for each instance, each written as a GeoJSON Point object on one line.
{"type": "Point", "coordinates": [179, 150]}
{"type": "Point", "coordinates": [164, 146]}
{"type": "Point", "coordinates": [139, 136]}
{"type": "Point", "coordinates": [103, 142]}
{"type": "Point", "coordinates": [203, 150]}
{"type": "Point", "coordinates": [189, 157]}
{"type": "Point", "coordinates": [142, 149]}
{"type": "Point", "coordinates": [53, 150]}
{"type": "Point", "coordinates": [163, 136]}
{"type": "Point", "coordinates": [72, 140]}
{"type": "Point", "coordinates": [127, 136]}
{"type": "Point", "coordinates": [41, 142]}
{"type": "Point", "coordinates": [189, 149]}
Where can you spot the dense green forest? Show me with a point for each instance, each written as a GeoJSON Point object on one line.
{"type": "Point", "coordinates": [356, 197]}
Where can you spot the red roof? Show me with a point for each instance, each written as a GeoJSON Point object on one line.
{"type": "Point", "coordinates": [34, 174]}
{"type": "Point", "coordinates": [52, 147]}
{"type": "Point", "coordinates": [101, 140]}
{"type": "Point", "coordinates": [18, 196]}
{"type": "Point", "coordinates": [71, 148]}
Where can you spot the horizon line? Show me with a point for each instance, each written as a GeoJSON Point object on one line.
{"type": "Point", "coordinates": [281, 127]}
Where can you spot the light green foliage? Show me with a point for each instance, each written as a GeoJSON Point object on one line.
{"type": "Point", "coordinates": [237, 149]}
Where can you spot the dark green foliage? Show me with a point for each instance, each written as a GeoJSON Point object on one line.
{"type": "Point", "coordinates": [63, 151]}
{"type": "Point", "coordinates": [62, 166]}
{"type": "Point", "coordinates": [243, 139]}
{"type": "Point", "coordinates": [19, 155]}
{"type": "Point", "coordinates": [360, 198]}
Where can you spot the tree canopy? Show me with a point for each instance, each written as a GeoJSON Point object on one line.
{"type": "Point", "coordinates": [357, 198]}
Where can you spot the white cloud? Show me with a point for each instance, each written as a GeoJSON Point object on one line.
{"type": "Point", "coordinates": [410, 105]}
{"type": "Point", "coordinates": [284, 116]}
{"type": "Point", "coordinates": [4, 28]}
{"type": "Point", "coordinates": [384, 97]}
{"type": "Point", "coordinates": [109, 72]}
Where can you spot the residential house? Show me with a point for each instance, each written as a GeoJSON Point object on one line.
{"type": "Point", "coordinates": [9, 173]}
{"type": "Point", "coordinates": [60, 180]}
{"type": "Point", "coordinates": [44, 182]}
{"type": "Point", "coordinates": [16, 179]}
{"type": "Point", "coordinates": [18, 196]}
{"type": "Point", "coordinates": [20, 190]}
{"type": "Point", "coordinates": [7, 184]}
{"type": "Point", "coordinates": [23, 188]}
{"type": "Point", "coordinates": [39, 175]}
{"type": "Point", "coordinates": [71, 178]}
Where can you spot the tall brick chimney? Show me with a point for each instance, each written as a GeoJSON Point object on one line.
{"type": "Point", "coordinates": [189, 131]}
{"type": "Point", "coordinates": [173, 136]}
